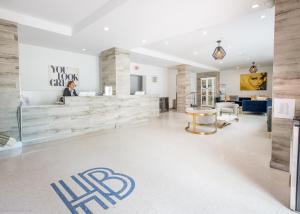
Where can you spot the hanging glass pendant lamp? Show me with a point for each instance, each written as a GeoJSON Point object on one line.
{"type": "Point", "coordinates": [253, 68]}
{"type": "Point", "coordinates": [219, 52]}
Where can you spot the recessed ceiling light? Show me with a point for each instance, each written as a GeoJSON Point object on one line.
{"type": "Point", "coordinates": [263, 16]}
{"type": "Point", "coordinates": [240, 53]}
{"type": "Point", "coordinates": [195, 52]}
{"type": "Point", "coordinates": [255, 6]}
{"type": "Point", "coordinates": [221, 62]}
{"type": "Point", "coordinates": [144, 41]}
{"type": "Point", "coordinates": [166, 42]}
{"type": "Point", "coordinates": [106, 28]}
{"type": "Point", "coordinates": [204, 32]}
{"type": "Point", "coordinates": [83, 49]}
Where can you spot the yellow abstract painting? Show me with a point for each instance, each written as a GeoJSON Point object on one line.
{"type": "Point", "coordinates": [255, 81]}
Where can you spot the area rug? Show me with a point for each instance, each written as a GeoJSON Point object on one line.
{"type": "Point", "coordinates": [222, 123]}
{"type": "Point", "coordinates": [227, 117]}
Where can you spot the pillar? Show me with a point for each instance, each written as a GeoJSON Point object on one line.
{"type": "Point", "coordinates": [9, 79]}
{"type": "Point", "coordinates": [183, 87]}
{"type": "Point", "coordinates": [286, 76]}
{"type": "Point", "coordinates": [115, 70]}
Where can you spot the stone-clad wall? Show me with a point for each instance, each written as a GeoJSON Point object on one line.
{"type": "Point", "coordinates": [9, 78]}
{"type": "Point", "coordinates": [183, 87]}
{"type": "Point", "coordinates": [82, 115]}
{"type": "Point", "coordinates": [286, 75]}
{"type": "Point", "coordinates": [115, 70]}
{"type": "Point", "coordinates": [215, 74]}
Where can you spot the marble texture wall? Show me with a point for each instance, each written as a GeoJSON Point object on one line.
{"type": "Point", "coordinates": [9, 79]}
{"type": "Point", "coordinates": [81, 115]}
{"type": "Point", "coordinates": [183, 87]}
{"type": "Point", "coordinates": [200, 75]}
{"type": "Point", "coordinates": [115, 70]}
{"type": "Point", "coordinates": [286, 75]}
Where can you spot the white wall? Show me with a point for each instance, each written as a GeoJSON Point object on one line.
{"type": "Point", "coordinates": [34, 62]}
{"type": "Point", "coordinates": [231, 78]}
{"type": "Point", "coordinates": [159, 88]}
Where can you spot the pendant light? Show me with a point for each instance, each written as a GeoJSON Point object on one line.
{"type": "Point", "coordinates": [219, 52]}
{"type": "Point", "coordinates": [253, 68]}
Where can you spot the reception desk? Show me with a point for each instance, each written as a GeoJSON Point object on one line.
{"type": "Point", "coordinates": [81, 115]}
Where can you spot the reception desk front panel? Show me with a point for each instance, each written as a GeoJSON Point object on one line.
{"type": "Point", "coordinates": [81, 115]}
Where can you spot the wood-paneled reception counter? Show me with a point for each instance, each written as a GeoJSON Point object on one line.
{"type": "Point", "coordinates": [81, 115]}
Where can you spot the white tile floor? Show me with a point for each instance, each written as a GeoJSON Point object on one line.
{"type": "Point", "coordinates": [174, 171]}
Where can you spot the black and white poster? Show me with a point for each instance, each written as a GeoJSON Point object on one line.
{"type": "Point", "coordinates": [59, 76]}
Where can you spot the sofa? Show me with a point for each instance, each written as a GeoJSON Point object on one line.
{"type": "Point", "coordinates": [256, 106]}
{"type": "Point", "coordinates": [233, 98]}
{"type": "Point", "coordinates": [240, 101]}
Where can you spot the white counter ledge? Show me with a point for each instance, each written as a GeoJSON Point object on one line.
{"type": "Point", "coordinates": [42, 106]}
{"type": "Point", "coordinates": [80, 115]}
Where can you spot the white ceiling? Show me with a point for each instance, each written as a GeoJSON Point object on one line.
{"type": "Point", "coordinates": [67, 12]}
{"type": "Point", "coordinates": [247, 39]}
{"type": "Point", "coordinates": [76, 24]}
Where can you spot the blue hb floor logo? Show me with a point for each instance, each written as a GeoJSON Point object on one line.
{"type": "Point", "coordinates": [100, 185]}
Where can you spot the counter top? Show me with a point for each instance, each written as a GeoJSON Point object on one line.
{"type": "Point", "coordinates": [42, 106]}
{"type": "Point", "coordinates": [78, 99]}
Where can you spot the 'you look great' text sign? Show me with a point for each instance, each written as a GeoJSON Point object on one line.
{"type": "Point", "coordinates": [59, 76]}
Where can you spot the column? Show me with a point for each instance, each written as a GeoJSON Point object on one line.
{"type": "Point", "coordinates": [286, 76]}
{"type": "Point", "coordinates": [183, 87]}
{"type": "Point", "coordinates": [9, 79]}
{"type": "Point", "coordinates": [115, 70]}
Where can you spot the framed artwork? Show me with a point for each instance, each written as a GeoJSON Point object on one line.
{"type": "Point", "coordinates": [253, 82]}
{"type": "Point", "coordinates": [58, 76]}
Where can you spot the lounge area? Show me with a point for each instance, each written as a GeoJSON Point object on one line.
{"type": "Point", "coordinates": [149, 107]}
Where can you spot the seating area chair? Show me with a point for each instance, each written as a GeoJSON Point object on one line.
{"type": "Point", "coordinates": [228, 107]}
